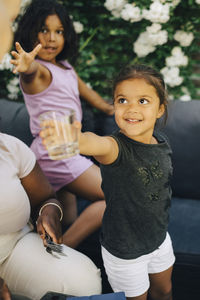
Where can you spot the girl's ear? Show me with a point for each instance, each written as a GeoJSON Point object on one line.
{"type": "Point", "coordinates": [161, 111]}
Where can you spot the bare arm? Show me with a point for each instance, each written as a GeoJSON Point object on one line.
{"type": "Point", "coordinates": [34, 76]}
{"type": "Point", "coordinates": [94, 98]}
{"type": "Point", "coordinates": [39, 192]}
{"type": "Point", "coordinates": [104, 149]}
{"type": "Point", "coordinates": [4, 291]}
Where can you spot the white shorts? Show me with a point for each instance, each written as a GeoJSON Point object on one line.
{"type": "Point", "coordinates": [132, 275]}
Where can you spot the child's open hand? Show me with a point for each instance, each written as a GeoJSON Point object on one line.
{"type": "Point", "coordinates": [23, 60]}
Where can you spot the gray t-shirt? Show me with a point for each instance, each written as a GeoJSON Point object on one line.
{"type": "Point", "coordinates": [137, 192]}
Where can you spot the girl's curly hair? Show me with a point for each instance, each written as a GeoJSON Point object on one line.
{"type": "Point", "coordinates": [32, 21]}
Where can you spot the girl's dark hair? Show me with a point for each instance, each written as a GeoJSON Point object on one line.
{"type": "Point", "coordinates": [147, 73]}
{"type": "Point", "coordinates": [32, 21]}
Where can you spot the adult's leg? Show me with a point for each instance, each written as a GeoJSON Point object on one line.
{"type": "Point", "coordinates": [88, 186]}
{"type": "Point", "coordinates": [161, 285]}
{"type": "Point", "coordinates": [31, 271]}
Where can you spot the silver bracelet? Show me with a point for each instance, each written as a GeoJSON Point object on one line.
{"type": "Point", "coordinates": [55, 204]}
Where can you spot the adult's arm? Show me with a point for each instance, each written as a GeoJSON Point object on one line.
{"type": "Point", "coordinates": [41, 192]}
{"type": "Point", "coordinates": [4, 291]}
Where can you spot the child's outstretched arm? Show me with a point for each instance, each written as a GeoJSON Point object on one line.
{"type": "Point", "coordinates": [104, 149]}
{"type": "Point", "coordinates": [94, 98]}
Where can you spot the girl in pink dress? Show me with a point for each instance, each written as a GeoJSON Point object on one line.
{"type": "Point", "coordinates": [45, 40]}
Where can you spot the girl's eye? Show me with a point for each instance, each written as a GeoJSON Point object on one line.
{"type": "Point", "coordinates": [61, 32]}
{"type": "Point", "coordinates": [44, 30]}
{"type": "Point", "coordinates": [143, 101]}
{"type": "Point", "coordinates": [122, 100]}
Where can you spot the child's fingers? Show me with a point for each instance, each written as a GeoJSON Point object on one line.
{"type": "Point", "coordinates": [36, 50]}
{"type": "Point", "coordinates": [44, 133]}
{"type": "Point", "coordinates": [77, 125]}
{"type": "Point", "coordinates": [15, 70]}
{"type": "Point", "coordinates": [18, 47]}
{"type": "Point", "coordinates": [15, 54]}
{"type": "Point", "coordinates": [14, 62]}
{"type": "Point", "coordinates": [47, 132]}
{"type": "Point", "coordinates": [47, 124]}
{"type": "Point", "coordinates": [47, 140]}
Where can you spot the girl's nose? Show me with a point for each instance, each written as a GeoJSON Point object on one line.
{"type": "Point", "coordinates": [133, 107]}
{"type": "Point", "coordinates": [52, 36]}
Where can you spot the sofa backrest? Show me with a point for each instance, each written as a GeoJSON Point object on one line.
{"type": "Point", "coordinates": [14, 120]}
{"type": "Point", "coordinates": [183, 131]}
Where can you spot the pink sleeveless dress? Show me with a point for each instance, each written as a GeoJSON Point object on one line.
{"type": "Point", "coordinates": [61, 94]}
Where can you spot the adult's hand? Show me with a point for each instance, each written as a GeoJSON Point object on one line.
{"type": "Point", "coordinates": [49, 222]}
{"type": "Point", "coordinates": [4, 291]}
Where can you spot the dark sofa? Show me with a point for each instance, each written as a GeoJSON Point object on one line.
{"type": "Point", "coordinates": [183, 131]}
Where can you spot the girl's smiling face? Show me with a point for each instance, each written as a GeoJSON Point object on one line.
{"type": "Point", "coordinates": [52, 39]}
{"type": "Point", "coordinates": [137, 107]}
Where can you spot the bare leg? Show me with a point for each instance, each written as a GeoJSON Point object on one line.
{"type": "Point", "coordinates": [87, 185]}
{"type": "Point", "coordinates": [161, 285]}
{"type": "Point", "coordinates": [89, 221]}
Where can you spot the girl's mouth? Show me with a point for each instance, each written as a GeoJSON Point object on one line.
{"type": "Point", "coordinates": [129, 120]}
{"type": "Point", "coordinates": [50, 49]}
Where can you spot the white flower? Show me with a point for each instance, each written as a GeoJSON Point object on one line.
{"type": "Point", "coordinates": [115, 6]}
{"type": "Point", "coordinates": [171, 97]}
{"type": "Point", "coordinates": [177, 58]}
{"type": "Point", "coordinates": [131, 13]}
{"type": "Point", "coordinates": [24, 4]}
{"type": "Point", "coordinates": [14, 26]}
{"type": "Point", "coordinates": [142, 47]}
{"type": "Point", "coordinates": [5, 63]}
{"type": "Point", "coordinates": [78, 26]}
{"type": "Point", "coordinates": [158, 13]}
{"type": "Point", "coordinates": [157, 36]}
{"type": "Point", "coordinates": [184, 38]}
{"type": "Point", "coordinates": [171, 76]}
{"type": "Point", "coordinates": [89, 85]}
{"type": "Point", "coordinates": [148, 40]}
{"type": "Point", "coordinates": [154, 28]}
{"type": "Point", "coordinates": [186, 96]}
{"type": "Point", "coordinates": [13, 88]}
{"type": "Point", "coordinates": [175, 2]}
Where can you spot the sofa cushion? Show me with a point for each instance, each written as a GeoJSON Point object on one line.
{"type": "Point", "coordinates": [14, 120]}
{"type": "Point", "coordinates": [183, 131]}
{"type": "Point", "coordinates": [184, 226]}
